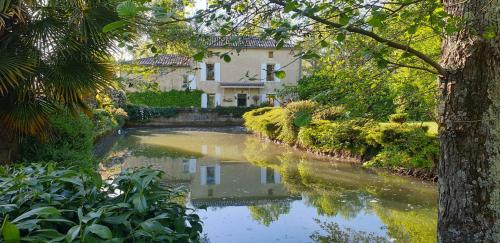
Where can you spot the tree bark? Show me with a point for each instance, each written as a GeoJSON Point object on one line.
{"type": "Point", "coordinates": [469, 119]}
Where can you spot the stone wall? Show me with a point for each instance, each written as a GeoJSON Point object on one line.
{"type": "Point", "coordinates": [190, 117]}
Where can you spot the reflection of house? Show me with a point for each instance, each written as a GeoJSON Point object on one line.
{"type": "Point", "coordinates": [248, 79]}
{"type": "Point", "coordinates": [217, 183]}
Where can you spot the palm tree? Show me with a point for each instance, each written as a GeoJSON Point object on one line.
{"type": "Point", "coordinates": [53, 54]}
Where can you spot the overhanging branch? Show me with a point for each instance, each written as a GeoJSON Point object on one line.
{"type": "Point", "coordinates": [399, 46]}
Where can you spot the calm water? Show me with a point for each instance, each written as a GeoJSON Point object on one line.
{"type": "Point", "coordinates": [258, 191]}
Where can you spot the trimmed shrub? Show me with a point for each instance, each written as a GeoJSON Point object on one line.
{"type": "Point", "coordinates": [331, 113]}
{"type": "Point", "coordinates": [233, 111]}
{"type": "Point", "coordinates": [46, 204]}
{"type": "Point", "coordinates": [173, 98]}
{"type": "Point", "coordinates": [264, 121]}
{"type": "Point", "coordinates": [398, 118]}
{"type": "Point", "coordinates": [295, 114]}
{"type": "Point", "coordinates": [333, 137]}
{"type": "Point", "coordinates": [142, 113]}
{"type": "Point", "coordinates": [404, 146]}
{"type": "Point", "coordinates": [71, 141]}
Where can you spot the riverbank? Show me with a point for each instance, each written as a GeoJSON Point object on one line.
{"type": "Point", "coordinates": [404, 149]}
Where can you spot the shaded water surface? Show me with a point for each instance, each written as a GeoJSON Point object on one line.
{"type": "Point", "coordinates": [257, 191]}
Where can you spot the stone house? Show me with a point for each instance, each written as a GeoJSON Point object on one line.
{"type": "Point", "coordinates": [248, 79]}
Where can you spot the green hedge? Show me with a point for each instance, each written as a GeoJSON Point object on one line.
{"type": "Point", "coordinates": [172, 98]}
{"type": "Point", "coordinates": [393, 145]}
{"type": "Point", "coordinates": [143, 113]}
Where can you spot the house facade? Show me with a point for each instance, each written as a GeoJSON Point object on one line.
{"type": "Point", "coordinates": [247, 80]}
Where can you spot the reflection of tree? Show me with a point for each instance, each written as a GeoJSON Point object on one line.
{"type": "Point", "coordinates": [417, 225]}
{"type": "Point", "coordinates": [346, 190]}
{"type": "Point", "coordinates": [268, 213]}
{"type": "Point", "coordinates": [333, 233]}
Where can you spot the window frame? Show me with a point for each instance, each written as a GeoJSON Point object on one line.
{"type": "Point", "coordinates": [270, 74]}
{"type": "Point", "coordinates": [210, 73]}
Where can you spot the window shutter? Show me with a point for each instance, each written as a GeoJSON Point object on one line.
{"type": "Point", "coordinates": [217, 72]}
{"type": "Point", "coordinates": [203, 71]}
{"type": "Point", "coordinates": [277, 67]}
{"type": "Point", "coordinates": [192, 82]}
{"type": "Point", "coordinates": [217, 100]}
{"type": "Point", "coordinates": [263, 175]}
{"type": "Point", "coordinates": [263, 73]}
{"type": "Point", "coordinates": [277, 178]}
{"type": "Point", "coordinates": [263, 98]}
{"type": "Point", "coordinates": [217, 174]}
{"type": "Point", "coordinates": [204, 100]}
{"type": "Point", "coordinates": [192, 165]}
{"type": "Point", "coordinates": [203, 175]}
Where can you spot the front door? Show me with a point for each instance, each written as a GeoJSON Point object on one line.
{"type": "Point", "coordinates": [242, 100]}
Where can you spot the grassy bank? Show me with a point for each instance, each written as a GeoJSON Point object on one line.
{"type": "Point", "coordinates": [408, 147]}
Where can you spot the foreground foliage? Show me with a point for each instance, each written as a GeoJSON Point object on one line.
{"type": "Point", "coordinates": [40, 204]}
{"type": "Point", "coordinates": [393, 145]}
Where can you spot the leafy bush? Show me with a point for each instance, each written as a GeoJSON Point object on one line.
{"type": "Point", "coordinates": [173, 98]}
{"type": "Point", "coordinates": [143, 113]}
{"type": "Point", "coordinates": [264, 121]}
{"type": "Point", "coordinates": [41, 204]}
{"type": "Point", "coordinates": [108, 120]}
{"type": "Point", "coordinates": [404, 146]}
{"type": "Point", "coordinates": [398, 118]}
{"type": "Point", "coordinates": [333, 137]}
{"type": "Point", "coordinates": [330, 113]}
{"type": "Point", "coordinates": [71, 141]}
{"type": "Point", "coordinates": [383, 144]}
{"type": "Point", "coordinates": [295, 115]}
{"type": "Point", "coordinates": [233, 111]}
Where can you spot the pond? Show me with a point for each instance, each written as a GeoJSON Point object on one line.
{"type": "Point", "coordinates": [258, 191]}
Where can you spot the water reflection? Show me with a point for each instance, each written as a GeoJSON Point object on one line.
{"type": "Point", "coordinates": [259, 191]}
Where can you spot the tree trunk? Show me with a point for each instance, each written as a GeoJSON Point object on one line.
{"type": "Point", "coordinates": [469, 119]}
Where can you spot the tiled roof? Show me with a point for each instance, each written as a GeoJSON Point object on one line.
{"type": "Point", "coordinates": [169, 60]}
{"type": "Point", "coordinates": [242, 41]}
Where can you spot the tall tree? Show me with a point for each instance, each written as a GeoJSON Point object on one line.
{"type": "Point", "coordinates": [52, 54]}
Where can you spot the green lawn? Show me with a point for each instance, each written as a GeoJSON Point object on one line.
{"type": "Point", "coordinates": [433, 126]}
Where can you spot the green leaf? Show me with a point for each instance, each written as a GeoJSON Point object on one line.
{"type": "Point", "coordinates": [73, 233]}
{"type": "Point", "coordinates": [280, 74]}
{"type": "Point", "coordinates": [199, 56]}
{"type": "Point", "coordinates": [324, 43]}
{"type": "Point", "coordinates": [412, 30]}
{"type": "Point", "coordinates": [290, 6]}
{"type": "Point", "coordinates": [114, 25]}
{"type": "Point", "coordinates": [140, 203]}
{"type": "Point", "coordinates": [340, 37]}
{"type": "Point", "coordinates": [10, 232]}
{"type": "Point", "coordinates": [227, 58]}
{"type": "Point", "coordinates": [376, 20]}
{"type": "Point", "coordinates": [100, 230]}
{"type": "Point", "coordinates": [302, 118]}
{"type": "Point", "coordinates": [127, 9]}
{"type": "Point", "coordinates": [43, 211]}
{"type": "Point", "coordinates": [344, 19]}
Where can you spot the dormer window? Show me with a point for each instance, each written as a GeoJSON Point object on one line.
{"type": "Point", "coordinates": [270, 54]}
{"type": "Point", "coordinates": [270, 72]}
